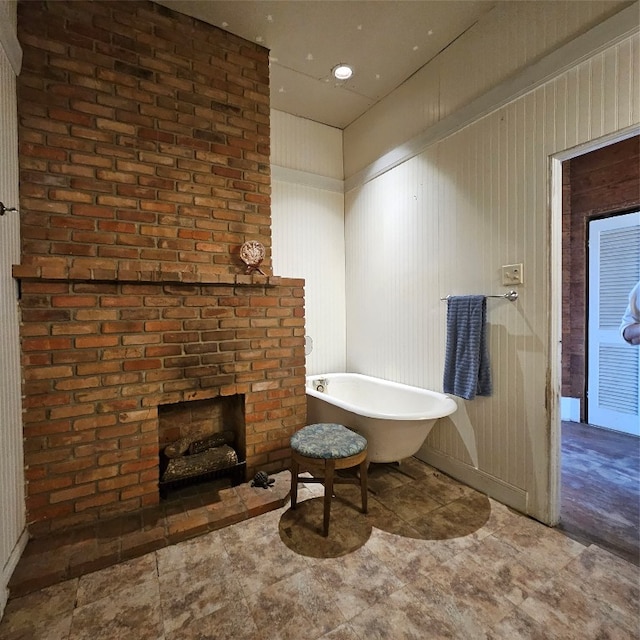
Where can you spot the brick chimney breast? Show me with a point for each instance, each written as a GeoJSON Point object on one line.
{"type": "Point", "coordinates": [144, 167]}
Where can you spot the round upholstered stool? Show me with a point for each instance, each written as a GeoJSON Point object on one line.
{"type": "Point", "coordinates": [330, 447]}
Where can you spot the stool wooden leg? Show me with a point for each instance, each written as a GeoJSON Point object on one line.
{"type": "Point", "coordinates": [363, 484]}
{"type": "Point", "coordinates": [329, 468]}
{"type": "Point", "coordinates": [295, 468]}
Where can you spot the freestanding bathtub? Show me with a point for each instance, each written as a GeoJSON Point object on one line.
{"type": "Point", "coordinates": [394, 418]}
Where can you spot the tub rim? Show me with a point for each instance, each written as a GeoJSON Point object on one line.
{"type": "Point", "coordinates": [446, 404]}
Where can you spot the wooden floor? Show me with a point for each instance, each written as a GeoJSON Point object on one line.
{"type": "Point", "coordinates": [600, 493]}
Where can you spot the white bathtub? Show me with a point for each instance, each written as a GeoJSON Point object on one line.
{"type": "Point", "coordinates": [394, 418]}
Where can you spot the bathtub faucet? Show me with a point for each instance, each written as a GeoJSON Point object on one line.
{"type": "Point", "coordinates": [320, 384]}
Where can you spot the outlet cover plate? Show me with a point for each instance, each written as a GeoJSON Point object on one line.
{"type": "Point", "coordinates": [512, 274]}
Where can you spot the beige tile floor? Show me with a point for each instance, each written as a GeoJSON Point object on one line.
{"type": "Point", "coordinates": [432, 559]}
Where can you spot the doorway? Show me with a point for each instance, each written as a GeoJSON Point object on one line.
{"type": "Point", "coordinates": [596, 183]}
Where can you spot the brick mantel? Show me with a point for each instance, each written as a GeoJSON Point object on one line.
{"type": "Point", "coordinates": [59, 268]}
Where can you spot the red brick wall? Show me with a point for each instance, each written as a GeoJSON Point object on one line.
{"type": "Point", "coordinates": [144, 165]}
{"type": "Point", "coordinates": [100, 357]}
{"type": "Point", "coordinates": [595, 185]}
{"type": "Point", "coordinates": [144, 138]}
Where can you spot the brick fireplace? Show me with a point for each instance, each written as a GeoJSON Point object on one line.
{"type": "Point", "coordinates": [144, 166]}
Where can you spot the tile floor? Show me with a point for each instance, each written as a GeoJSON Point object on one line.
{"type": "Point", "coordinates": [187, 512]}
{"type": "Point", "coordinates": [432, 559]}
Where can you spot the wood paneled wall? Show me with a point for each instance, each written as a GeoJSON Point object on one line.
{"type": "Point", "coordinates": [12, 509]}
{"type": "Point", "coordinates": [443, 223]}
{"type": "Point", "coordinates": [307, 212]}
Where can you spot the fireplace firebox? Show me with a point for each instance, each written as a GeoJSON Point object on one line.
{"type": "Point", "coordinates": [200, 441]}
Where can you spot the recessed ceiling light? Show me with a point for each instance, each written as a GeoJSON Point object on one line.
{"type": "Point", "coordinates": [342, 71]}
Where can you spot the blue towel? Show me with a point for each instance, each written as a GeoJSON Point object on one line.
{"type": "Point", "coordinates": [466, 365]}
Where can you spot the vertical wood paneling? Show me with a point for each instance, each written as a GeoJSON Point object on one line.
{"type": "Point", "coordinates": [412, 107]}
{"type": "Point", "coordinates": [510, 37]}
{"type": "Point", "coordinates": [307, 228]}
{"type": "Point", "coordinates": [304, 145]}
{"type": "Point", "coordinates": [12, 519]}
{"type": "Point", "coordinates": [308, 242]}
{"type": "Point", "coordinates": [444, 222]}
{"type": "Point", "coordinates": [634, 74]}
{"type": "Point", "coordinates": [624, 67]}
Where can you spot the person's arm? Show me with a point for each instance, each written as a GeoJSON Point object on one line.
{"type": "Point", "coordinates": [632, 333]}
{"type": "Point", "coordinates": [630, 327]}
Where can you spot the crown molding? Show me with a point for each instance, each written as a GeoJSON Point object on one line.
{"type": "Point", "coordinates": [307, 179]}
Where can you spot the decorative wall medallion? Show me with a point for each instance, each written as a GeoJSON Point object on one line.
{"type": "Point", "coordinates": [252, 254]}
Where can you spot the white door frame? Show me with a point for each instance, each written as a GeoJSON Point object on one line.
{"type": "Point", "coordinates": [555, 304]}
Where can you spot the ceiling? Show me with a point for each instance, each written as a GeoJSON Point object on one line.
{"type": "Point", "coordinates": [385, 41]}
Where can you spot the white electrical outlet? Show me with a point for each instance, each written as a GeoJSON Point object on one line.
{"type": "Point", "coordinates": [512, 274]}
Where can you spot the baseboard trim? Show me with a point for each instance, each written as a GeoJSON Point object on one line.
{"type": "Point", "coordinates": [570, 409]}
{"type": "Point", "coordinates": [481, 481]}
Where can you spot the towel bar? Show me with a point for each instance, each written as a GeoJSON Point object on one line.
{"type": "Point", "coordinates": [512, 296]}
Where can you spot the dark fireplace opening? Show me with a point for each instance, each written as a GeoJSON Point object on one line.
{"type": "Point", "coordinates": [201, 440]}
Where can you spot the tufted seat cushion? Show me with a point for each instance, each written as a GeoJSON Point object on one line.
{"type": "Point", "coordinates": [327, 441]}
